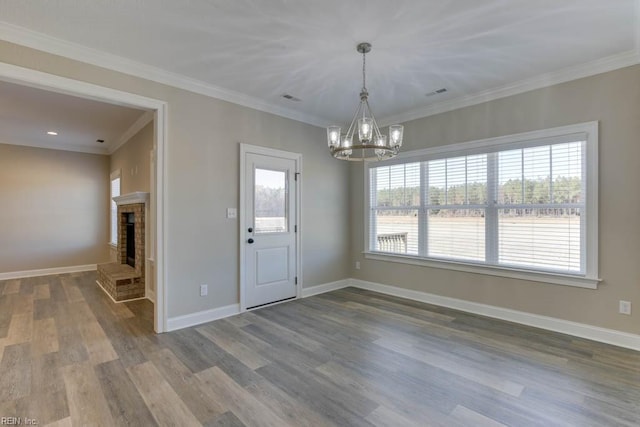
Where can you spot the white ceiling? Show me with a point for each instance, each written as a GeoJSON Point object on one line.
{"type": "Point", "coordinates": [253, 51]}
{"type": "Point", "coordinates": [27, 114]}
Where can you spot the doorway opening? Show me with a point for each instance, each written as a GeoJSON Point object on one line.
{"type": "Point", "coordinates": [52, 83]}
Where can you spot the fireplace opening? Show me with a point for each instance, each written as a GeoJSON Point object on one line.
{"type": "Point", "coordinates": [131, 240]}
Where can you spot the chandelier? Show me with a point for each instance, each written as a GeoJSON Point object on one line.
{"type": "Point", "coordinates": [372, 144]}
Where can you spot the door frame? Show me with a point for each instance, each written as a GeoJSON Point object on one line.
{"type": "Point", "coordinates": [265, 151]}
{"type": "Point", "coordinates": [51, 82]}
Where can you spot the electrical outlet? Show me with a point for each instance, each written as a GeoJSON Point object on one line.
{"type": "Point", "coordinates": [357, 265]}
{"type": "Point", "coordinates": [625, 307]}
{"type": "Point", "coordinates": [232, 213]}
{"type": "Point", "coordinates": [204, 290]}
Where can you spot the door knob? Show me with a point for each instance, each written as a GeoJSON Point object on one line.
{"type": "Point", "coordinates": [250, 241]}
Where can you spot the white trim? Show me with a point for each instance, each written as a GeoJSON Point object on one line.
{"type": "Point", "coordinates": [161, 121]}
{"type": "Point", "coordinates": [47, 271]}
{"type": "Point", "coordinates": [595, 333]}
{"type": "Point", "coordinates": [193, 319]}
{"type": "Point", "coordinates": [136, 127]}
{"type": "Point", "coordinates": [51, 82]}
{"type": "Point", "coordinates": [132, 198]}
{"type": "Point", "coordinates": [490, 270]}
{"type": "Point", "coordinates": [603, 65]}
{"type": "Point", "coordinates": [589, 130]}
{"type": "Point", "coordinates": [265, 151]}
{"type": "Point", "coordinates": [39, 41]}
{"type": "Point", "coordinates": [36, 40]}
{"type": "Point", "coordinates": [113, 224]}
{"type": "Point", "coordinates": [326, 287]}
{"type": "Point", "coordinates": [493, 144]}
{"type": "Point", "coordinates": [61, 146]}
{"type": "Point", "coordinates": [149, 266]}
{"type": "Point", "coordinates": [205, 316]}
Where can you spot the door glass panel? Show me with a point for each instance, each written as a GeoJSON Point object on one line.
{"type": "Point", "coordinates": [270, 203]}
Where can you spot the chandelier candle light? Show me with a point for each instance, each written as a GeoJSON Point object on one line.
{"type": "Point", "coordinates": [373, 145]}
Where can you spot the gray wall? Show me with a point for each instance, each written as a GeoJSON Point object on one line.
{"type": "Point", "coordinates": [202, 181]}
{"type": "Point", "coordinates": [203, 173]}
{"type": "Point", "coordinates": [614, 100]}
{"type": "Point", "coordinates": [54, 208]}
{"type": "Point", "coordinates": [133, 160]}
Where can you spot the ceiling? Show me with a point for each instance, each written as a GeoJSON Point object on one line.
{"type": "Point", "coordinates": [252, 51]}
{"type": "Point", "coordinates": [27, 114]}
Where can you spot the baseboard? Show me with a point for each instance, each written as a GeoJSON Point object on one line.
{"type": "Point", "coordinates": [595, 333]}
{"type": "Point", "coordinates": [205, 316]}
{"type": "Point", "coordinates": [326, 287]}
{"type": "Point", "coordinates": [47, 271]}
{"type": "Point", "coordinates": [192, 319]}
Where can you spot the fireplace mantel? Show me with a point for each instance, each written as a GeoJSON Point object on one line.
{"type": "Point", "coordinates": [132, 198]}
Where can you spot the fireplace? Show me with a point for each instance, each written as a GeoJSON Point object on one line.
{"type": "Point", "coordinates": [130, 239]}
{"type": "Point", "coordinates": [131, 236]}
{"type": "Point", "coordinates": [125, 279]}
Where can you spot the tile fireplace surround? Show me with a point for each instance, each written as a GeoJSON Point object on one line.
{"type": "Point", "coordinates": [120, 280]}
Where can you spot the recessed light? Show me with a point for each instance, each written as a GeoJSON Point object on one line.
{"type": "Point", "coordinates": [52, 133]}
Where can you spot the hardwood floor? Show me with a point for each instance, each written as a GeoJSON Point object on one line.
{"type": "Point", "coordinates": [69, 356]}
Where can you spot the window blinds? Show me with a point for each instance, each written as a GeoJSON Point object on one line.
{"type": "Point", "coordinates": [521, 207]}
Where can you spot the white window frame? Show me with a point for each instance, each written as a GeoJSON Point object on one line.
{"type": "Point", "coordinates": [589, 279]}
{"type": "Point", "coordinates": [113, 240]}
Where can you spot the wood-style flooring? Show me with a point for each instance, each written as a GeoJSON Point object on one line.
{"type": "Point", "coordinates": [70, 356]}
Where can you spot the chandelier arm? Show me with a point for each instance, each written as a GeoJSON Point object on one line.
{"type": "Point", "coordinates": [373, 119]}
{"type": "Point", "coordinates": [352, 129]}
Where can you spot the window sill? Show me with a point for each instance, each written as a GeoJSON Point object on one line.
{"type": "Point", "coordinates": [112, 245]}
{"type": "Point", "coordinates": [514, 273]}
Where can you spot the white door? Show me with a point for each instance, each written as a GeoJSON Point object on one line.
{"type": "Point", "coordinates": [269, 230]}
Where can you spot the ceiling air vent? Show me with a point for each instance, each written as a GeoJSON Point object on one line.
{"type": "Point", "coordinates": [437, 92]}
{"type": "Point", "coordinates": [290, 97]}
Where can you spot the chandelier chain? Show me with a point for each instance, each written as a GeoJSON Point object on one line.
{"type": "Point", "coordinates": [364, 74]}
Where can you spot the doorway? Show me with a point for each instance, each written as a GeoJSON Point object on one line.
{"type": "Point", "coordinates": [37, 79]}
{"type": "Point", "coordinates": [270, 190]}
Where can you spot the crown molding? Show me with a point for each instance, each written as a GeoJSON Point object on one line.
{"type": "Point", "coordinates": [59, 146]}
{"type": "Point", "coordinates": [39, 41]}
{"type": "Point", "coordinates": [599, 66]}
{"type": "Point", "coordinates": [136, 127]}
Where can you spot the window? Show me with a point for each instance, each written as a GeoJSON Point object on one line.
{"type": "Point", "coordinates": [115, 192]}
{"type": "Point", "coordinates": [524, 203]}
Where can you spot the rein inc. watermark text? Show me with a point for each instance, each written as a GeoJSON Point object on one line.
{"type": "Point", "coordinates": [18, 421]}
